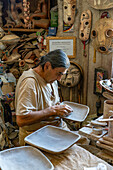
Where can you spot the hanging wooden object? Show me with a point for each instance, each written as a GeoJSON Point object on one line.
{"type": "Point", "coordinates": [102, 34]}
{"type": "Point", "coordinates": [100, 4]}
{"type": "Point", "coordinates": [85, 26]}
{"type": "Point", "coordinates": [26, 6]}
{"type": "Point", "coordinates": [73, 78]}
{"type": "Point", "coordinates": [94, 56]}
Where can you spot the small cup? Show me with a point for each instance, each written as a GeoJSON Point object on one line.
{"type": "Point", "coordinates": [97, 130]}
{"type": "Point", "coordinates": [108, 106]}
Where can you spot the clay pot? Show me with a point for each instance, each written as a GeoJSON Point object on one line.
{"type": "Point", "coordinates": [97, 130]}
{"type": "Point", "coordinates": [108, 105]}
{"type": "Point", "coordinates": [110, 128]}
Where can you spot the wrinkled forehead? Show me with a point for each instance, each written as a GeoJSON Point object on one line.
{"type": "Point", "coordinates": [71, 2]}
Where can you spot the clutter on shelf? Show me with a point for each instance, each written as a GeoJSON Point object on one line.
{"type": "Point", "coordinates": [21, 53]}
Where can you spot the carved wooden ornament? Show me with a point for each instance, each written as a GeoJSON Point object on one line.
{"type": "Point", "coordinates": [101, 4]}
{"type": "Point", "coordinates": [85, 25]}
{"type": "Point", "coordinates": [102, 35]}
{"type": "Point", "coordinates": [69, 9]}
{"type": "Point", "coordinates": [72, 76]}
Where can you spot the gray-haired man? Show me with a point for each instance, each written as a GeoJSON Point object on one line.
{"type": "Point", "coordinates": [37, 95]}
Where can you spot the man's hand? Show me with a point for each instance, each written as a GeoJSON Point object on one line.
{"type": "Point", "coordinates": [62, 110]}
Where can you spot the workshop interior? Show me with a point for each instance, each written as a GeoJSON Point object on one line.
{"type": "Point", "coordinates": [36, 92]}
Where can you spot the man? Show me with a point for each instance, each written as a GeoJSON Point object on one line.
{"type": "Point", "coordinates": [37, 96]}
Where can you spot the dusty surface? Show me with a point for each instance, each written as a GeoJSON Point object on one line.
{"type": "Point", "coordinates": [75, 158]}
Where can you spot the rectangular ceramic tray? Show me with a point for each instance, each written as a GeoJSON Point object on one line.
{"type": "Point", "coordinates": [25, 157]}
{"type": "Point", "coordinates": [52, 139]}
{"type": "Point", "coordinates": [79, 113]}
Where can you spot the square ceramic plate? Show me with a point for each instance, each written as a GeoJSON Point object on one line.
{"type": "Point", "coordinates": [52, 139]}
{"type": "Point", "coordinates": [25, 157]}
{"type": "Point", "coordinates": [79, 113]}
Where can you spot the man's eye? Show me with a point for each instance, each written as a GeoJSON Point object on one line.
{"type": "Point", "coordinates": [59, 74]}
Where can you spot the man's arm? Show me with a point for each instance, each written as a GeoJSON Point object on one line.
{"type": "Point", "coordinates": [36, 116]}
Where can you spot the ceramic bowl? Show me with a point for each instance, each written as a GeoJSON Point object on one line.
{"type": "Point", "coordinates": [97, 130]}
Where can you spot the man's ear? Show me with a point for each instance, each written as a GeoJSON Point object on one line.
{"type": "Point", "coordinates": [47, 65]}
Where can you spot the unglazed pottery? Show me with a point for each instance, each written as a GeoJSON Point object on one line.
{"type": "Point", "coordinates": [52, 139]}
{"type": "Point", "coordinates": [25, 157]}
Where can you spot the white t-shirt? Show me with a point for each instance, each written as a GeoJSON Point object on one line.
{"type": "Point", "coordinates": [33, 94]}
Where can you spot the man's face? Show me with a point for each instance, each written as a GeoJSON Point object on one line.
{"type": "Point", "coordinates": [54, 74]}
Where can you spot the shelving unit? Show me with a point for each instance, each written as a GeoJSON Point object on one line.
{"type": "Point", "coordinates": [21, 30]}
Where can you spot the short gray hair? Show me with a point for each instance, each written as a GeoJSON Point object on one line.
{"type": "Point", "coordinates": [57, 58]}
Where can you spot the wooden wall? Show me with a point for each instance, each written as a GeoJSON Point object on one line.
{"type": "Point", "coordinates": [104, 61]}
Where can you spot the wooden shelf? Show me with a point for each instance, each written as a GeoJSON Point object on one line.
{"type": "Point", "coordinates": [20, 30]}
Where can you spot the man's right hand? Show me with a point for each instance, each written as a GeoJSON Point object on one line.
{"type": "Point", "coordinates": [62, 110]}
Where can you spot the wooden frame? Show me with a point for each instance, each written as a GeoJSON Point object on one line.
{"type": "Point", "coordinates": [100, 74]}
{"type": "Point", "coordinates": [67, 44]}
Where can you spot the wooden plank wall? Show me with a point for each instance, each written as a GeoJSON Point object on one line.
{"type": "Point", "coordinates": [104, 61]}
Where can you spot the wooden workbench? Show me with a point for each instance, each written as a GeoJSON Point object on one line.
{"type": "Point", "coordinates": [102, 151]}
